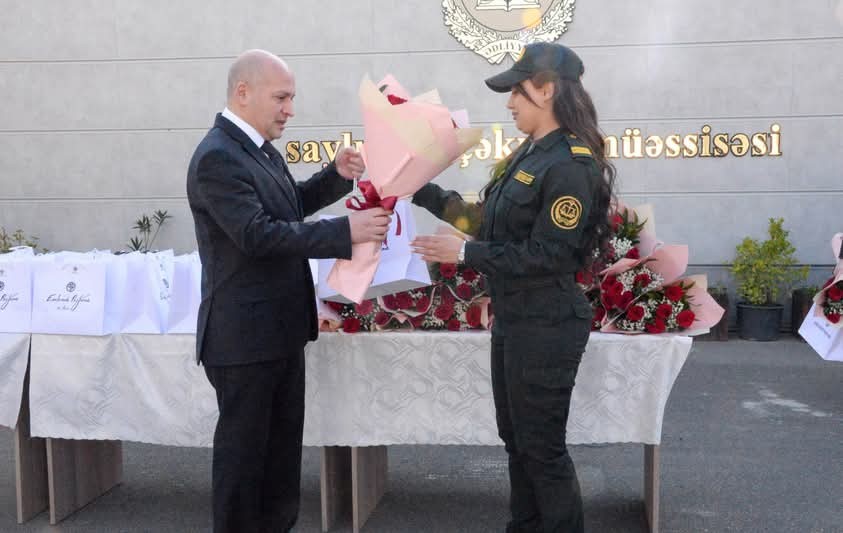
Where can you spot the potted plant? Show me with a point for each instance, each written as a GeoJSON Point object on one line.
{"type": "Point", "coordinates": [762, 270]}
{"type": "Point", "coordinates": [801, 301]}
{"type": "Point", "coordinates": [719, 332]}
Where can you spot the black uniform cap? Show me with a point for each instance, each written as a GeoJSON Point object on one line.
{"type": "Point", "coordinates": [535, 58]}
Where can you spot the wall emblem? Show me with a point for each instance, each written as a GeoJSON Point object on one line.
{"type": "Point", "coordinates": [497, 28]}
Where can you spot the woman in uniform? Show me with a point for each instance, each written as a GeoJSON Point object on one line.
{"type": "Point", "coordinates": [539, 221]}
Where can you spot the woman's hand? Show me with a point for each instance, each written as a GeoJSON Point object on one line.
{"type": "Point", "coordinates": [438, 248]}
{"type": "Point", "coordinates": [350, 163]}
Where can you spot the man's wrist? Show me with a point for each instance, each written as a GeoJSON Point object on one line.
{"type": "Point", "coordinates": [461, 253]}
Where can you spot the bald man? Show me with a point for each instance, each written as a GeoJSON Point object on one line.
{"type": "Point", "coordinates": [257, 311]}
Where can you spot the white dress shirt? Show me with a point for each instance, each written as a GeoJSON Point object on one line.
{"type": "Point", "coordinates": [247, 128]}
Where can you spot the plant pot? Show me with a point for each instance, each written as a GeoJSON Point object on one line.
{"type": "Point", "coordinates": [800, 304]}
{"type": "Point", "coordinates": [720, 331]}
{"type": "Point", "coordinates": [759, 322]}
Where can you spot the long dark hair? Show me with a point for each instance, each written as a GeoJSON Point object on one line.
{"type": "Point", "coordinates": [575, 112]}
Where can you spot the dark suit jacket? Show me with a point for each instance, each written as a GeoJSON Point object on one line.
{"type": "Point", "coordinates": [257, 290]}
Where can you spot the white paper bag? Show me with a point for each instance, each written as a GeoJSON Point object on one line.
{"type": "Point", "coordinates": [399, 268]}
{"type": "Point", "coordinates": [68, 294]}
{"type": "Point", "coordinates": [138, 296]}
{"type": "Point", "coordinates": [185, 295]}
{"type": "Point", "coordinates": [16, 292]}
{"type": "Point", "coordinates": [824, 337]}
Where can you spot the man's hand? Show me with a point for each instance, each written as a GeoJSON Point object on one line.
{"type": "Point", "coordinates": [350, 163]}
{"type": "Point", "coordinates": [438, 248]}
{"type": "Point", "coordinates": [369, 225]}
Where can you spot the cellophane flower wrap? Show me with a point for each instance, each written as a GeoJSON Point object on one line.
{"type": "Point", "coordinates": [408, 141]}
{"type": "Point", "coordinates": [633, 236]}
{"type": "Point", "coordinates": [456, 301]}
{"type": "Point", "coordinates": [829, 300]}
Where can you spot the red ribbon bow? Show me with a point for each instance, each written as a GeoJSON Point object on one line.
{"type": "Point", "coordinates": [371, 199]}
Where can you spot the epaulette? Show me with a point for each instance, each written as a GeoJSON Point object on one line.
{"type": "Point", "coordinates": [579, 150]}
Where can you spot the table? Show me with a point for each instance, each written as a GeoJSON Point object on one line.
{"type": "Point", "coordinates": [30, 457]}
{"type": "Point", "coordinates": [364, 392]}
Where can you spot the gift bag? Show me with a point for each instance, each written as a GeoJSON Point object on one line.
{"type": "Point", "coordinates": [138, 292]}
{"type": "Point", "coordinates": [824, 337]}
{"type": "Point", "coordinates": [69, 294]}
{"type": "Point", "coordinates": [185, 295]}
{"type": "Point", "coordinates": [399, 269]}
{"type": "Point", "coordinates": [16, 292]}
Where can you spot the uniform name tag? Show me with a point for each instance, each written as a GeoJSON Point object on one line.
{"type": "Point", "coordinates": [524, 178]}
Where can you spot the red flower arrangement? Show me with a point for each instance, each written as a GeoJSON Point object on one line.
{"type": "Point", "coordinates": [832, 304]}
{"type": "Point", "coordinates": [455, 301]}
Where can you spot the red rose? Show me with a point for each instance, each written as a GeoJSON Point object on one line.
{"type": "Point", "coordinates": [829, 282]}
{"type": "Point", "coordinates": [642, 280]}
{"type": "Point", "coordinates": [469, 275]}
{"type": "Point", "coordinates": [444, 311]}
{"type": "Point", "coordinates": [599, 313]}
{"type": "Point", "coordinates": [608, 282]}
{"type": "Point", "coordinates": [473, 315]}
{"type": "Point", "coordinates": [447, 297]}
{"type": "Point", "coordinates": [635, 313]}
{"type": "Point", "coordinates": [664, 311]}
{"type": "Point", "coordinates": [834, 318]}
{"type": "Point", "coordinates": [416, 321]}
{"type": "Point", "coordinates": [448, 270]}
{"type": "Point", "coordinates": [336, 306]}
{"type": "Point", "coordinates": [351, 325]}
{"type": "Point", "coordinates": [395, 100]}
{"type": "Point", "coordinates": [381, 318]}
{"type": "Point", "coordinates": [423, 303]}
{"type": "Point", "coordinates": [656, 326]}
{"type": "Point", "coordinates": [390, 302]}
{"type": "Point", "coordinates": [674, 293]}
{"type": "Point", "coordinates": [616, 289]}
{"type": "Point", "coordinates": [403, 300]}
{"type": "Point", "coordinates": [464, 291]}
{"type": "Point", "coordinates": [584, 277]}
{"type": "Point", "coordinates": [685, 318]}
{"type": "Point", "coordinates": [364, 308]}
{"type": "Point", "coordinates": [835, 293]}
{"type": "Point", "coordinates": [633, 253]}
{"type": "Point", "coordinates": [616, 221]}
{"type": "Point", "coordinates": [453, 325]}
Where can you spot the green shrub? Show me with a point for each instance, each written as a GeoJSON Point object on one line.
{"type": "Point", "coordinates": [763, 269]}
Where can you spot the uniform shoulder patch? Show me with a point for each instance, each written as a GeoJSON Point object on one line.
{"type": "Point", "coordinates": [523, 177]}
{"type": "Point", "coordinates": [566, 212]}
{"type": "Point", "coordinates": [578, 148]}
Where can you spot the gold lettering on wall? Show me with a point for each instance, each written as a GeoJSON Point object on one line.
{"type": "Point", "coordinates": [633, 144]}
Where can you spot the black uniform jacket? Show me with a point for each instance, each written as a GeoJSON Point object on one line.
{"type": "Point", "coordinates": [528, 231]}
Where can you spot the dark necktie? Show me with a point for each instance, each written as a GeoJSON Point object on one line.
{"type": "Point", "coordinates": [278, 161]}
{"type": "Point", "coordinates": [274, 156]}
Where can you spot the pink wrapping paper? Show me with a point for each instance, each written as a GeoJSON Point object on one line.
{"type": "Point", "coordinates": [405, 147]}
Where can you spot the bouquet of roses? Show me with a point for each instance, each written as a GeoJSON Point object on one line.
{"type": "Point", "coordinates": [648, 296]}
{"type": "Point", "coordinates": [455, 301]}
{"type": "Point", "coordinates": [408, 142]}
{"type": "Point", "coordinates": [829, 301]}
{"type": "Point", "coordinates": [682, 306]}
{"type": "Point", "coordinates": [632, 237]}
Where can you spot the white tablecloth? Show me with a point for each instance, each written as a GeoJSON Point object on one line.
{"type": "Point", "coordinates": [14, 350]}
{"type": "Point", "coordinates": [362, 389]}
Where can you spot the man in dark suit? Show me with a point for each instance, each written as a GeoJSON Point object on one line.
{"type": "Point", "coordinates": [258, 305]}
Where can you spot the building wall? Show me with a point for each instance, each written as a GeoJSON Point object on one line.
{"type": "Point", "coordinates": [103, 102]}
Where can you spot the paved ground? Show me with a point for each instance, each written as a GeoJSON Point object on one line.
{"type": "Point", "coordinates": [753, 442]}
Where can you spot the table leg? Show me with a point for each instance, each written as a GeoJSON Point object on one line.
{"type": "Point", "coordinates": [335, 484]}
{"type": "Point", "coordinates": [651, 486]}
{"type": "Point", "coordinates": [369, 467]}
{"type": "Point", "coordinates": [30, 464]}
{"type": "Point", "coordinates": [80, 471]}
